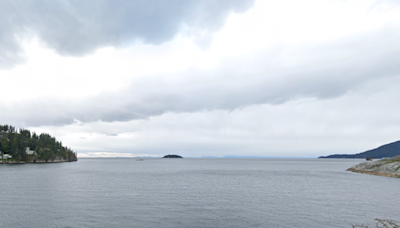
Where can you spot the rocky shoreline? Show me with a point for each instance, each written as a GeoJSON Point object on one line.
{"type": "Point", "coordinates": [33, 161]}
{"type": "Point", "coordinates": [40, 161]}
{"type": "Point", "coordinates": [388, 167]}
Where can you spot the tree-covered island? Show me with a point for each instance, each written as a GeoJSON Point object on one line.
{"type": "Point", "coordinates": [172, 156]}
{"type": "Point", "coordinates": [22, 146]}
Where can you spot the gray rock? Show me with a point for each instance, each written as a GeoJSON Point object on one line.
{"type": "Point", "coordinates": [385, 167]}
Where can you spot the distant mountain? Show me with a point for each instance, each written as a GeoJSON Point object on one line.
{"type": "Point", "coordinates": [210, 157]}
{"type": "Point", "coordinates": [388, 150]}
{"type": "Point", "coordinates": [238, 156]}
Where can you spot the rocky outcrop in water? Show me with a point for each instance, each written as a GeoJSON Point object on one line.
{"type": "Point", "coordinates": [389, 167]}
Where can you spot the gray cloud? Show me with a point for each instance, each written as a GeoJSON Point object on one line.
{"type": "Point", "coordinates": [202, 91]}
{"type": "Point", "coordinates": [79, 27]}
{"type": "Point", "coordinates": [322, 70]}
{"type": "Point", "coordinates": [327, 71]}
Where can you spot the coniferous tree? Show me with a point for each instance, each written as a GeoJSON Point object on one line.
{"type": "Point", "coordinates": [45, 146]}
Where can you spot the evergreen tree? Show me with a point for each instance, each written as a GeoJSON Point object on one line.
{"type": "Point", "coordinates": [47, 147]}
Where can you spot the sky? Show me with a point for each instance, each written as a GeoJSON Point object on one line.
{"type": "Point", "coordinates": [128, 78]}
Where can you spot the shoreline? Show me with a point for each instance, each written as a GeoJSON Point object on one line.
{"type": "Point", "coordinates": [36, 162]}
{"type": "Point", "coordinates": [374, 173]}
{"type": "Point", "coordinates": [388, 167]}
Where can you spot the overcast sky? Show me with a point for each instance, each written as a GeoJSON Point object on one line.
{"type": "Point", "coordinates": [198, 78]}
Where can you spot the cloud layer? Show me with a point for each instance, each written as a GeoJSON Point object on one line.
{"type": "Point", "coordinates": [80, 27]}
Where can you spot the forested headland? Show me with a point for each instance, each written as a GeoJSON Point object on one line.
{"type": "Point", "coordinates": [23, 146]}
{"type": "Point", "coordinates": [387, 150]}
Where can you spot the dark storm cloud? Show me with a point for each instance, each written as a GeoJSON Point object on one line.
{"type": "Point", "coordinates": [78, 27]}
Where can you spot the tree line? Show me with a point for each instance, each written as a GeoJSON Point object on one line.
{"type": "Point", "coordinates": [15, 142]}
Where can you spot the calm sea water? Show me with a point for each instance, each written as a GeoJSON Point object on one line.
{"type": "Point", "coordinates": [194, 193]}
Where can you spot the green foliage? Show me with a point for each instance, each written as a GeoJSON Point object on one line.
{"type": "Point", "coordinates": [47, 147]}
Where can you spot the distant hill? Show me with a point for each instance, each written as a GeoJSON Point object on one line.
{"type": "Point", "coordinates": [388, 150]}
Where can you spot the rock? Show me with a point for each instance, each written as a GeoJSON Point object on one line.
{"type": "Point", "coordinates": [389, 167]}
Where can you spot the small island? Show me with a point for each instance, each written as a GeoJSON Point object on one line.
{"type": "Point", "coordinates": [172, 156]}
{"type": "Point", "coordinates": [22, 146]}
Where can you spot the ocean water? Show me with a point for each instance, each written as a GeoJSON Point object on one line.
{"type": "Point", "coordinates": [194, 193]}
